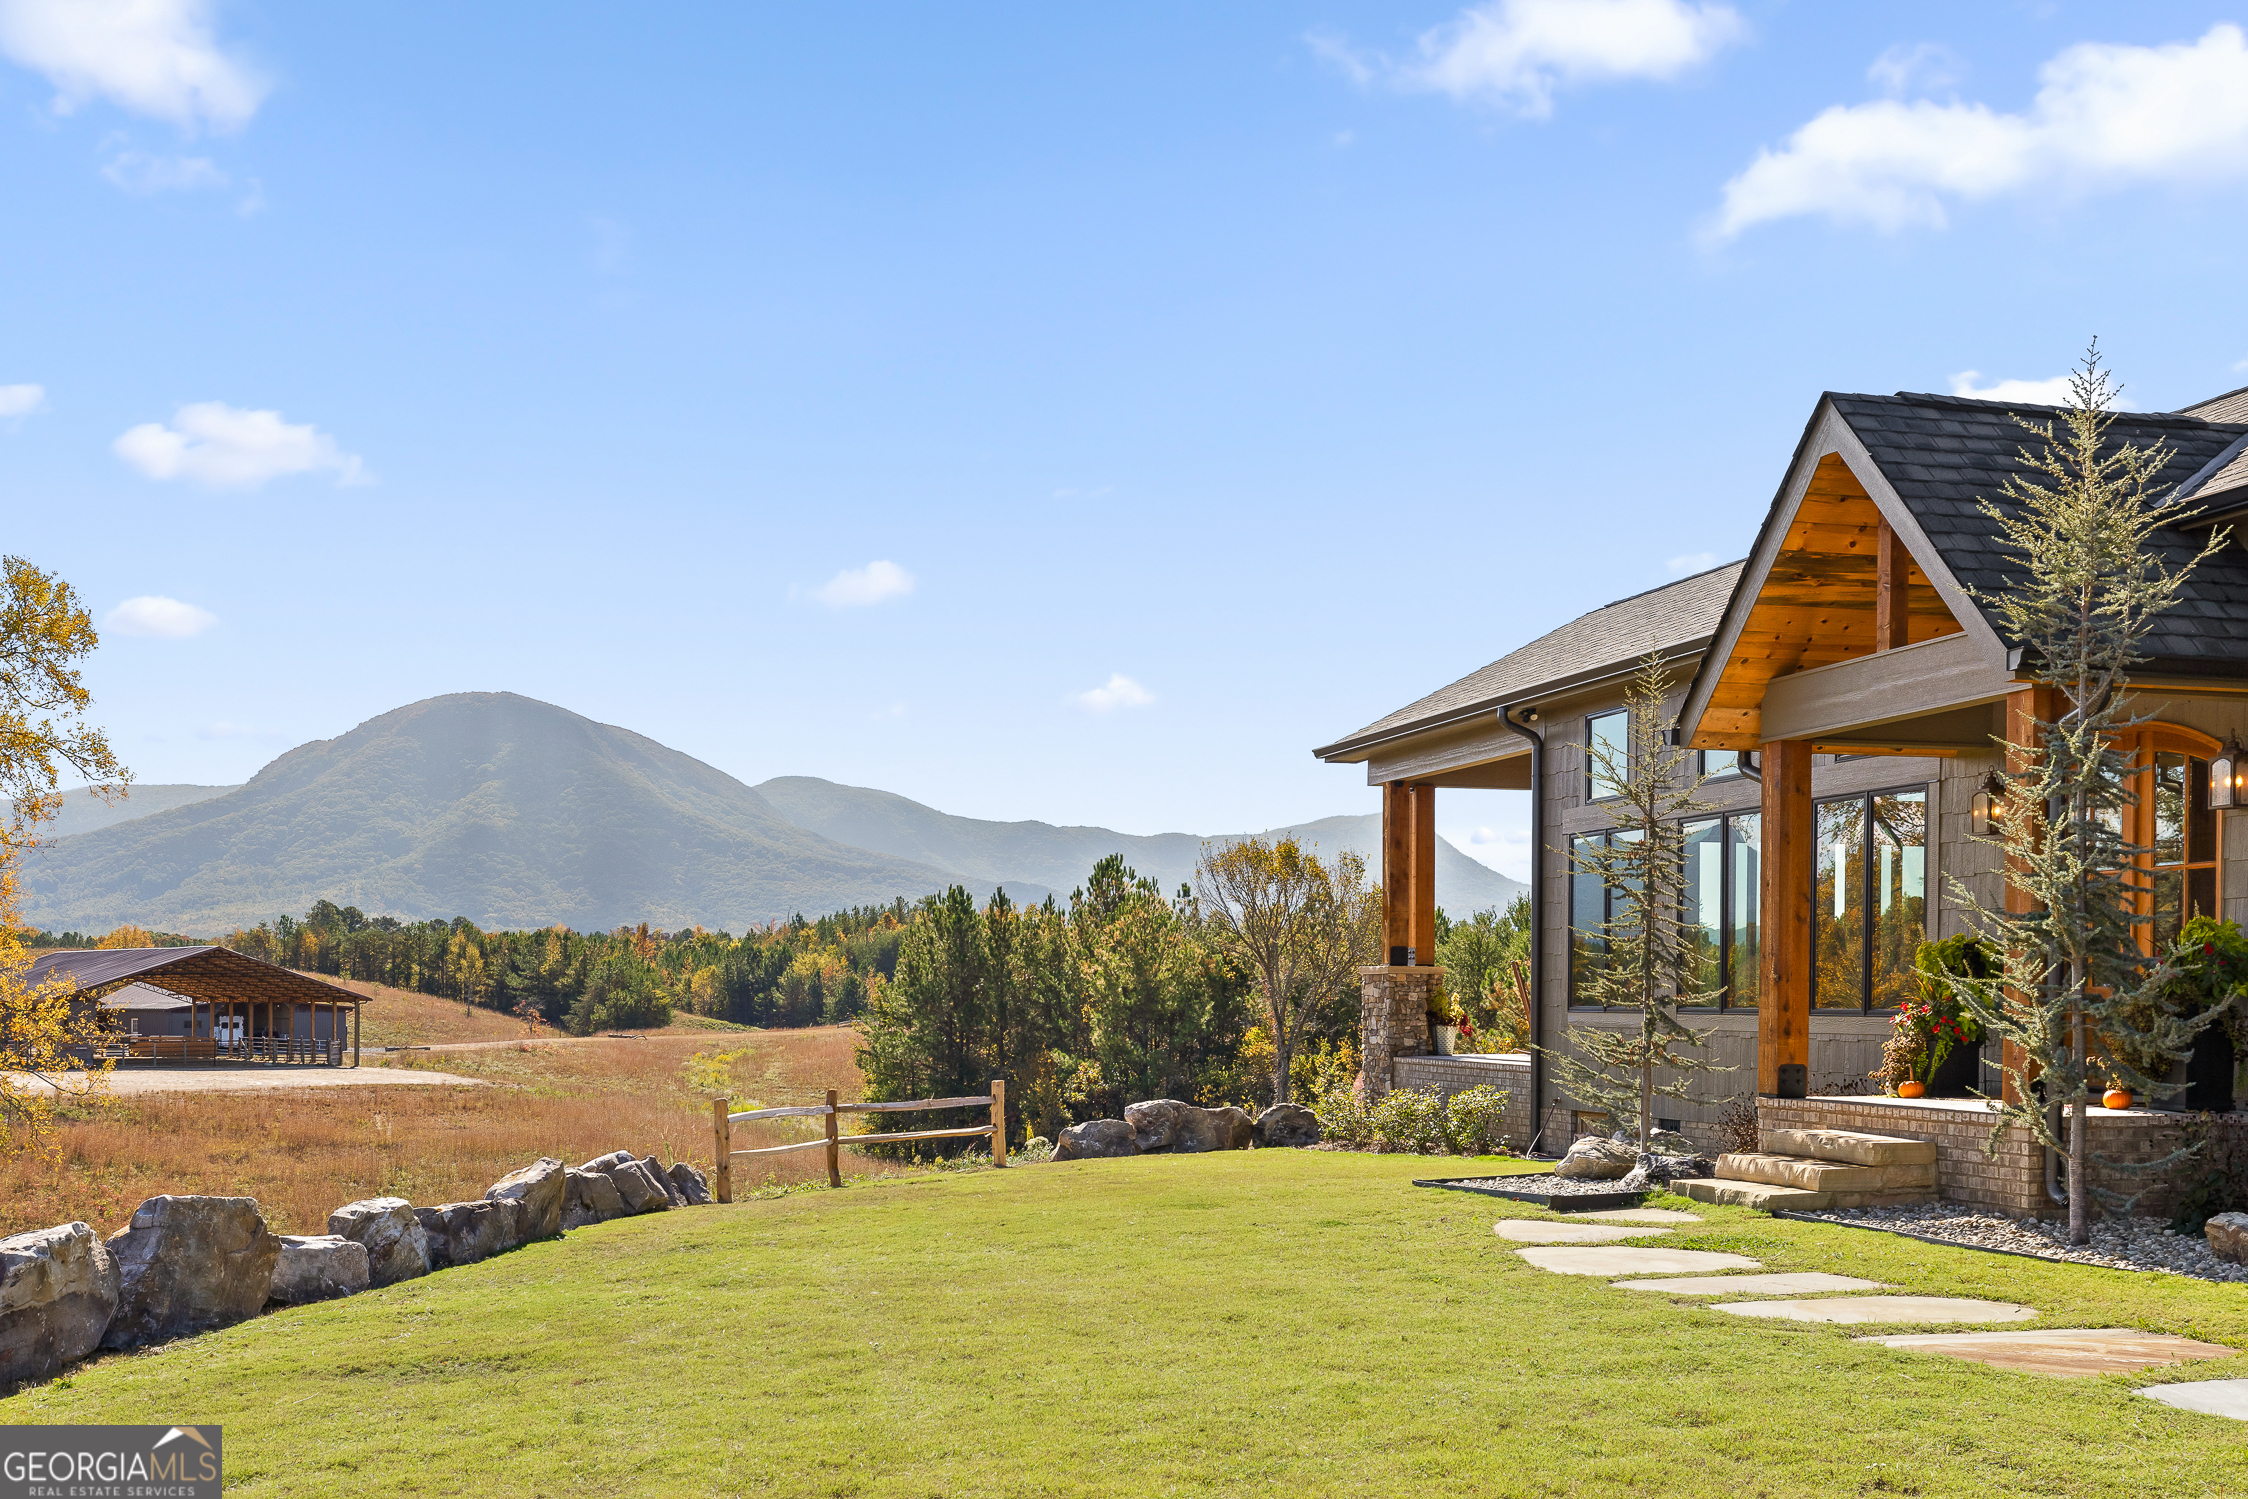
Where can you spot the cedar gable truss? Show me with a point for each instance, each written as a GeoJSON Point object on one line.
{"type": "Point", "coordinates": [1816, 605]}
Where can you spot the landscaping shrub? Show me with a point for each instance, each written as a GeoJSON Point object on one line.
{"type": "Point", "coordinates": [1408, 1121]}
{"type": "Point", "coordinates": [1474, 1121]}
{"type": "Point", "coordinates": [2215, 1179]}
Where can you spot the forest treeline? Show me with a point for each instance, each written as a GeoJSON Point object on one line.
{"type": "Point", "coordinates": [1114, 996]}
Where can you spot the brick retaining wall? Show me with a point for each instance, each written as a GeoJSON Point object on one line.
{"type": "Point", "coordinates": [2012, 1181]}
{"type": "Point", "coordinates": [1446, 1076]}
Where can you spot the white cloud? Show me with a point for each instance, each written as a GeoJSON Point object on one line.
{"type": "Point", "coordinates": [1517, 53]}
{"type": "Point", "coordinates": [22, 400]}
{"type": "Point", "coordinates": [224, 447]}
{"type": "Point", "coordinates": [141, 174]}
{"type": "Point", "coordinates": [870, 584]}
{"type": "Point", "coordinates": [1919, 69]}
{"type": "Point", "coordinates": [1692, 562]}
{"type": "Point", "coordinates": [154, 614]}
{"type": "Point", "coordinates": [2053, 392]}
{"type": "Point", "coordinates": [1119, 691]}
{"type": "Point", "coordinates": [2105, 116]}
{"type": "Point", "coordinates": [153, 57]}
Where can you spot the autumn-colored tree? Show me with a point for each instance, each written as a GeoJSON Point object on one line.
{"type": "Point", "coordinates": [46, 1040]}
{"type": "Point", "coordinates": [1298, 926]}
{"type": "Point", "coordinates": [128, 936]}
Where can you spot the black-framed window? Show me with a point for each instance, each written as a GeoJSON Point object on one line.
{"type": "Point", "coordinates": [1612, 732]}
{"type": "Point", "coordinates": [1870, 905]}
{"type": "Point", "coordinates": [1717, 764]}
{"type": "Point", "coordinates": [1722, 909]}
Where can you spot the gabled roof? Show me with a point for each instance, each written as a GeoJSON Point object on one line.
{"type": "Point", "coordinates": [1944, 455]}
{"type": "Point", "coordinates": [204, 973]}
{"type": "Point", "coordinates": [1677, 618]}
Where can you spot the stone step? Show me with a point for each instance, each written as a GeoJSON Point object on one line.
{"type": "Point", "coordinates": [1740, 1194]}
{"type": "Point", "coordinates": [1824, 1175]}
{"type": "Point", "coordinates": [1848, 1147]}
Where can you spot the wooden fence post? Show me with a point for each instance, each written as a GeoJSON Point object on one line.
{"type": "Point", "coordinates": [834, 1164]}
{"type": "Point", "coordinates": [722, 1130]}
{"type": "Point", "coordinates": [998, 1121]}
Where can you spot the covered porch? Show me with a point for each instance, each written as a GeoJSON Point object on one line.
{"type": "Point", "coordinates": [209, 1004]}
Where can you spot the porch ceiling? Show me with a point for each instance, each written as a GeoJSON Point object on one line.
{"type": "Point", "coordinates": [1815, 606]}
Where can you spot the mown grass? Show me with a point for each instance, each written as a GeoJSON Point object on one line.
{"type": "Point", "coordinates": [302, 1153]}
{"type": "Point", "coordinates": [1272, 1322]}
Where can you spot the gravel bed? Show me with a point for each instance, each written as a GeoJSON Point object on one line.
{"type": "Point", "coordinates": [2118, 1244]}
{"type": "Point", "coordinates": [1557, 1186]}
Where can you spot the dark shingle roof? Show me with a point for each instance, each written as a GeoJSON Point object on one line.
{"type": "Point", "coordinates": [1677, 615]}
{"type": "Point", "coordinates": [1945, 454]}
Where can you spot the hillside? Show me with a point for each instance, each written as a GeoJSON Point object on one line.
{"type": "Point", "coordinates": [1013, 853]}
{"type": "Point", "coordinates": [83, 812]}
{"type": "Point", "coordinates": [508, 811]}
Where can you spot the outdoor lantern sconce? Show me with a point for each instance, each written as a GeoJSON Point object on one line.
{"type": "Point", "coordinates": [2228, 777]}
{"type": "Point", "coordinates": [1988, 809]}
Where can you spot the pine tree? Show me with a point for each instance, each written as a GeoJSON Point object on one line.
{"type": "Point", "coordinates": [2075, 994]}
{"type": "Point", "coordinates": [1648, 959]}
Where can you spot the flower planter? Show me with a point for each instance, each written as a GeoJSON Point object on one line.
{"type": "Point", "coordinates": [1444, 1037]}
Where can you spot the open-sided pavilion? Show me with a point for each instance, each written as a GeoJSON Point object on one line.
{"type": "Point", "coordinates": [229, 1006]}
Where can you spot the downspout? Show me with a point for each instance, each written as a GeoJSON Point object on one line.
{"type": "Point", "coordinates": [1537, 924]}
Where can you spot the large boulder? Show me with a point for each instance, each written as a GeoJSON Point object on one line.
{"type": "Point", "coordinates": [318, 1267]}
{"type": "Point", "coordinates": [2227, 1234]}
{"type": "Point", "coordinates": [654, 1165]}
{"type": "Point", "coordinates": [397, 1249]}
{"type": "Point", "coordinates": [539, 1187]}
{"type": "Point", "coordinates": [1155, 1123]}
{"type": "Point", "coordinates": [689, 1184]}
{"type": "Point", "coordinates": [1595, 1159]}
{"type": "Point", "coordinates": [58, 1290]}
{"type": "Point", "coordinates": [1288, 1124]}
{"type": "Point", "coordinates": [188, 1264]}
{"type": "Point", "coordinates": [1655, 1170]}
{"type": "Point", "coordinates": [461, 1233]}
{"type": "Point", "coordinates": [635, 1184]}
{"type": "Point", "coordinates": [1096, 1138]}
{"type": "Point", "coordinates": [589, 1197]}
{"type": "Point", "coordinates": [1198, 1130]}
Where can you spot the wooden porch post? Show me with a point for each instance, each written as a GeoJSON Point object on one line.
{"type": "Point", "coordinates": [355, 1033]}
{"type": "Point", "coordinates": [1892, 570]}
{"type": "Point", "coordinates": [1397, 871]}
{"type": "Point", "coordinates": [1424, 876]}
{"type": "Point", "coordinates": [2026, 707]}
{"type": "Point", "coordinates": [1783, 1014]}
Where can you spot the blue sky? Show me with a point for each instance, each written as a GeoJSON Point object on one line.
{"type": "Point", "coordinates": [1059, 412]}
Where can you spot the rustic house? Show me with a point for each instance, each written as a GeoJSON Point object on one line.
{"type": "Point", "coordinates": [1848, 699]}
{"type": "Point", "coordinates": [209, 1004]}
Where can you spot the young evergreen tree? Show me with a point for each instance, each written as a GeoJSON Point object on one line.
{"type": "Point", "coordinates": [1646, 957]}
{"type": "Point", "coordinates": [2074, 992]}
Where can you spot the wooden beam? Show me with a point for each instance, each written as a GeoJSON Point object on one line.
{"type": "Point", "coordinates": [1424, 875]}
{"type": "Point", "coordinates": [1783, 1014]}
{"type": "Point", "coordinates": [1397, 871]}
{"type": "Point", "coordinates": [2026, 708]}
{"type": "Point", "coordinates": [1891, 625]}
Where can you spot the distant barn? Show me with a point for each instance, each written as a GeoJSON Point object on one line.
{"type": "Point", "coordinates": [209, 1003]}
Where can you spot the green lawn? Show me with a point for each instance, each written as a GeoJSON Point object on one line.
{"type": "Point", "coordinates": [1275, 1322]}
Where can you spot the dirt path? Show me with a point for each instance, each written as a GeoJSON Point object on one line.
{"type": "Point", "coordinates": [175, 1078]}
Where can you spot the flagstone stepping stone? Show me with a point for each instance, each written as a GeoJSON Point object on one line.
{"type": "Point", "coordinates": [2212, 1397]}
{"type": "Point", "coordinates": [1537, 1231]}
{"type": "Point", "coordinates": [1616, 1259]}
{"type": "Point", "coordinates": [1644, 1215]}
{"type": "Point", "coordinates": [1800, 1283]}
{"type": "Point", "coordinates": [2074, 1351]}
{"type": "Point", "coordinates": [1884, 1309]}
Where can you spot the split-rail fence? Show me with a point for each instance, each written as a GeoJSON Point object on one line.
{"type": "Point", "coordinates": [722, 1126]}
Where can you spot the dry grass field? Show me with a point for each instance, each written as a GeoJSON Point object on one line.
{"type": "Point", "coordinates": [302, 1153]}
{"type": "Point", "coordinates": [402, 1017]}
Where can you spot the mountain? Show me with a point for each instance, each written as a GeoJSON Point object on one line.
{"type": "Point", "coordinates": [1016, 853]}
{"type": "Point", "coordinates": [82, 811]}
{"type": "Point", "coordinates": [485, 804]}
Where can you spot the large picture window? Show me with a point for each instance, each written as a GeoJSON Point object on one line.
{"type": "Point", "coordinates": [2173, 820]}
{"type": "Point", "coordinates": [1610, 732]}
{"type": "Point", "coordinates": [1870, 910]}
{"type": "Point", "coordinates": [1720, 910]}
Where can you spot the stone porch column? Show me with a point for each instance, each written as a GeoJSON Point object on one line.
{"type": "Point", "coordinates": [1392, 1020]}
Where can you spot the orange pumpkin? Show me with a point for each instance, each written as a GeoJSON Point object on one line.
{"type": "Point", "coordinates": [2116, 1098]}
{"type": "Point", "coordinates": [1912, 1089]}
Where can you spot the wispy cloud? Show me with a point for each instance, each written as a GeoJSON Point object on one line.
{"type": "Point", "coordinates": [225, 447]}
{"type": "Point", "coordinates": [2052, 392]}
{"type": "Point", "coordinates": [1517, 54]}
{"type": "Point", "coordinates": [871, 584]}
{"type": "Point", "coordinates": [2106, 116]}
{"type": "Point", "coordinates": [156, 58]}
{"type": "Point", "coordinates": [1691, 562]}
{"type": "Point", "coordinates": [1119, 691]}
{"type": "Point", "coordinates": [22, 400]}
{"type": "Point", "coordinates": [1917, 69]}
{"type": "Point", "coordinates": [164, 618]}
{"type": "Point", "coordinates": [143, 174]}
